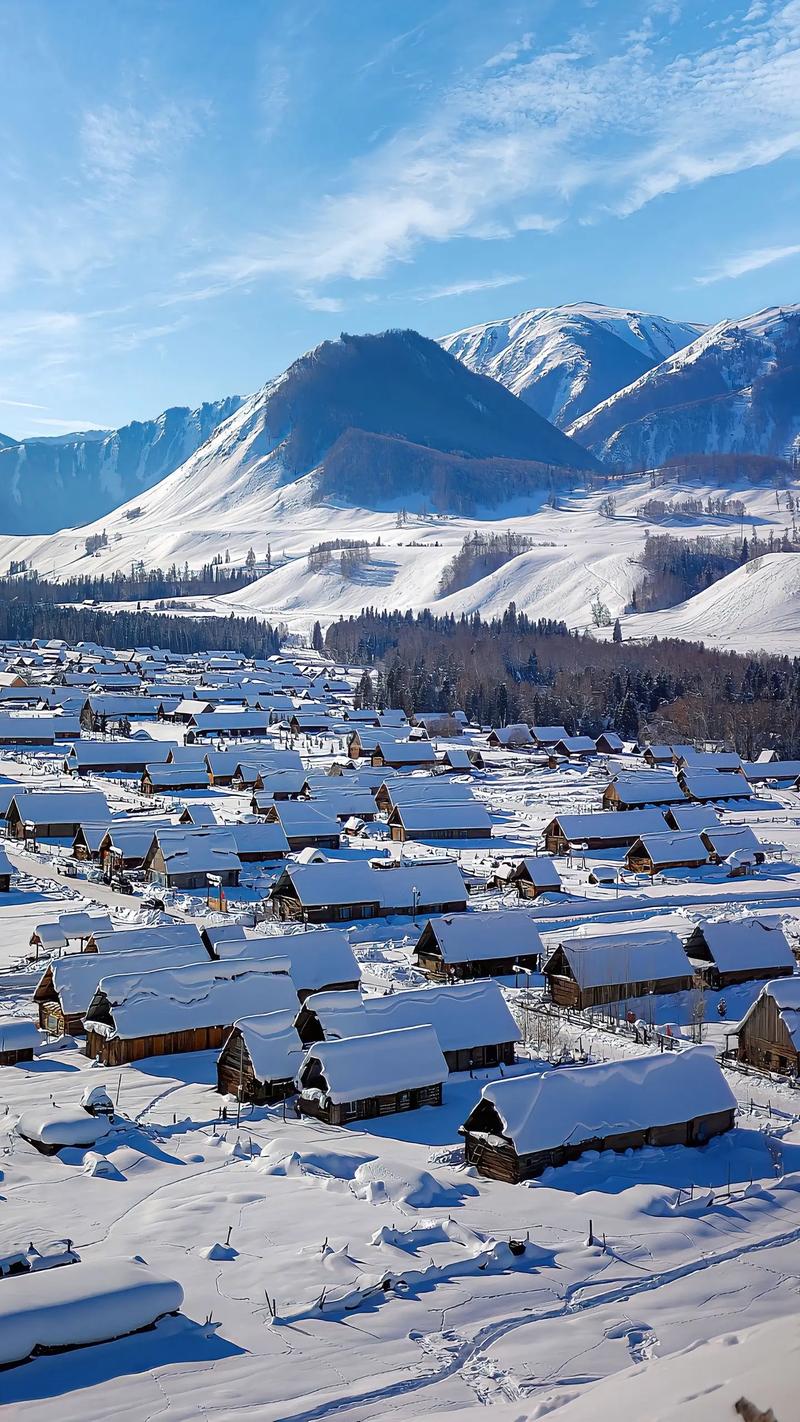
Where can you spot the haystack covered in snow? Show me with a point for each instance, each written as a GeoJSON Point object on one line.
{"type": "Point", "coordinates": [524, 1124]}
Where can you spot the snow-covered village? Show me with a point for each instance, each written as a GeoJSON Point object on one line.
{"type": "Point", "coordinates": [399, 711]}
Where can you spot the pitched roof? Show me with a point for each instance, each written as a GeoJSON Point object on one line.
{"type": "Point", "coordinates": [479, 937]}
{"type": "Point", "coordinates": [657, 788]}
{"type": "Point", "coordinates": [347, 882]}
{"type": "Point", "coordinates": [422, 818]}
{"type": "Point", "coordinates": [76, 976]}
{"type": "Point", "coordinates": [667, 848]}
{"type": "Point", "coordinates": [715, 785]}
{"type": "Point", "coordinates": [273, 1044]}
{"type": "Point", "coordinates": [636, 956]}
{"type": "Point", "coordinates": [379, 1064]}
{"type": "Point", "coordinates": [209, 994]}
{"type": "Point", "coordinates": [549, 1109]}
{"type": "Point", "coordinates": [785, 993]}
{"type": "Point", "coordinates": [610, 824]}
{"type": "Point", "coordinates": [736, 943]}
{"type": "Point", "coordinates": [462, 1014]}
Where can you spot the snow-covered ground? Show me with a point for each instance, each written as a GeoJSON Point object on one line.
{"type": "Point", "coordinates": [363, 1271]}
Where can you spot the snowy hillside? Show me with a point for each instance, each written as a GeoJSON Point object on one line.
{"type": "Point", "coordinates": [46, 484]}
{"type": "Point", "coordinates": [563, 360]}
{"type": "Point", "coordinates": [736, 389]}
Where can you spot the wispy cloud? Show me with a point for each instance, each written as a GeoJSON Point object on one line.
{"type": "Point", "coordinates": [571, 131]}
{"type": "Point", "coordinates": [464, 288]}
{"type": "Point", "coordinates": [744, 262]}
{"type": "Point", "coordinates": [320, 303]}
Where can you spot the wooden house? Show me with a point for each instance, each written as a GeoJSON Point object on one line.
{"type": "Point", "coordinates": [125, 845]}
{"type": "Point", "coordinates": [478, 945]}
{"type": "Point", "coordinates": [158, 1012]}
{"type": "Point", "coordinates": [88, 840]}
{"type": "Point", "coordinates": [779, 772]}
{"type": "Point", "coordinates": [736, 950]}
{"type": "Point", "coordinates": [722, 841]}
{"type": "Point", "coordinates": [343, 891]}
{"type": "Point", "coordinates": [642, 790]}
{"type": "Point", "coordinates": [651, 853]}
{"type": "Point", "coordinates": [472, 1021]}
{"type": "Point", "coordinates": [573, 748]}
{"type": "Point", "coordinates": [609, 743]}
{"type": "Point", "coordinates": [403, 755]}
{"type": "Point", "coordinates": [260, 1058]}
{"type": "Point", "coordinates": [398, 790]}
{"type": "Point", "coordinates": [54, 814]}
{"type": "Point", "coordinates": [533, 876]}
{"type": "Point", "coordinates": [19, 1039]}
{"type": "Point", "coordinates": [515, 737]}
{"type": "Point", "coordinates": [362, 741]}
{"type": "Point", "coordinates": [68, 984]}
{"type": "Point", "coordinates": [200, 815]}
{"type": "Point", "coordinates": [440, 820]}
{"type": "Point", "coordinates": [118, 757]}
{"type": "Point", "coordinates": [172, 779]}
{"type": "Point", "coordinates": [354, 1078]}
{"type": "Point", "coordinates": [524, 1125]}
{"type": "Point", "coordinates": [598, 969]}
{"type": "Point", "coordinates": [459, 760]}
{"type": "Point", "coordinates": [547, 736]}
{"type": "Point", "coordinates": [183, 858]}
{"type": "Point", "coordinates": [6, 870]}
{"type": "Point", "coordinates": [602, 829]}
{"type": "Point", "coordinates": [56, 934]}
{"type": "Point", "coordinates": [768, 1035]}
{"type": "Point", "coordinates": [258, 842]}
{"type": "Point", "coordinates": [691, 818]}
{"type": "Point", "coordinates": [305, 824]}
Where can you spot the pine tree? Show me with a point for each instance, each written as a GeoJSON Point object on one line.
{"type": "Point", "coordinates": [616, 635]}
{"type": "Point", "coordinates": [317, 639]}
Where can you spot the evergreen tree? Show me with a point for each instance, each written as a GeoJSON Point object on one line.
{"type": "Point", "coordinates": [616, 635]}
{"type": "Point", "coordinates": [317, 639]}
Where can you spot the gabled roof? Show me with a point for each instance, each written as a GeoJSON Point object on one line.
{"type": "Point", "coordinates": [405, 752]}
{"type": "Point", "coordinates": [316, 958]}
{"type": "Point", "coordinates": [785, 993]}
{"type": "Point", "coordinates": [480, 937]}
{"type": "Point", "coordinates": [354, 882]}
{"type": "Point", "coordinates": [715, 785]}
{"type": "Point", "coordinates": [731, 839]}
{"type": "Point", "coordinates": [656, 788]}
{"type": "Point", "coordinates": [380, 1064]}
{"type": "Point", "coordinates": [53, 807]}
{"type": "Point", "coordinates": [738, 943]}
{"type": "Point", "coordinates": [261, 837]}
{"type": "Point", "coordinates": [610, 824]}
{"type": "Point", "coordinates": [668, 848]}
{"type": "Point", "coordinates": [539, 869]}
{"type": "Point", "coordinates": [76, 976]}
{"type": "Point", "coordinates": [424, 818]}
{"type": "Point", "coordinates": [548, 1109]}
{"type": "Point", "coordinates": [517, 735]}
{"type": "Point", "coordinates": [272, 1044]}
{"type": "Point", "coordinates": [636, 956]}
{"type": "Point", "coordinates": [207, 994]}
{"type": "Point", "coordinates": [462, 1014]}
{"type": "Point", "coordinates": [695, 818]}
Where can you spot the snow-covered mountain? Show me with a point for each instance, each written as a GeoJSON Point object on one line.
{"type": "Point", "coordinates": [48, 483]}
{"type": "Point", "coordinates": [733, 390]}
{"type": "Point", "coordinates": [563, 360]}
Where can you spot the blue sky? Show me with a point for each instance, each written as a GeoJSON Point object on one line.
{"type": "Point", "coordinates": [194, 192]}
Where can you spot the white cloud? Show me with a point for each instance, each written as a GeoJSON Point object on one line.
{"type": "Point", "coordinates": [463, 288]}
{"type": "Point", "coordinates": [744, 262]}
{"type": "Point", "coordinates": [571, 131]}
{"type": "Point", "coordinates": [320, 303]}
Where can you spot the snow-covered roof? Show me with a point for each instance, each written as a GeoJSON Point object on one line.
{"type": "Point", "coordinates": [548, 735]}
{"type": "Point", "coordinates": [416, 789]}
{"type": "Point", "coordinates": [757, 770]}
{"type": "Point", "coordinates": [300, 818]}
{"type": "Point", "coordinates": [198, 851]}
{"type": "Point", "coordinates": [539, 869]}
{"type": "Point", "coordinates": [146, 936]}
{"type": "Point", "coordinates": [18, 1034]}
{"type": "Point", "coordinates": [416, 752]}
{"type": "Point", "coordinates": [716, 785]}
{"type": "Point", "coordinates": [732, 839]}
{"type": "Point", "coordinates": [478, 937]}
{"type": "Point", "coordinates": [462, 1014]}
{"type": "Point", "coordinates": [260, 837]}
{"type": "Point", "coordinates": [737, 943]}
{"type": "Point", "coordinates": [564, 1107]}
{"type": "Point", "coordinates": [90, 1302]}
{"type": "Point", "coordinates": [379, 1064]}
{"type": "Point", "coordinates": [210, 994]}
{"type": "Point", "coordinates": [516, 735]}
{"type": "Point", "coordinates": [61, 807]}
{"type": "Point", "coordinates": [611, 824]}
{"type": "Point", "coordinates": [200, 815]}
{"type": "Point", "coordinates": [422, 818]}
{"type": "Point", "coordinates": [85, 754]}
{"type": "Point", "coordinates": [694, 817]}
{"type": "Point", "coordinates": [657, 788]}
{"type": "Point", "coordinates": [273, 1044]}
{"type": "Point", "coordinates": [575, 745]}
{"type": "Point", "coordinates": [76, 976]}
{"type": "Point", "coordinates": [671, 848]}
{"type": "Point", "coordinates": [61, 1126]}
{"type": "Point", "coordinates": [193, 776]}
{"type": "Point", "coordinates": [316, 958]}
{"type": "Point", "coordinates": [354, 882]}
{"type": "Point", "coordinates": [636, 956]}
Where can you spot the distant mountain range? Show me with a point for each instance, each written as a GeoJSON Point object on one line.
{"type": "Point", "coordinates": [564, 360]}
{"type": "Point", "coordinates": [66, 480]}
{"type": "Point", "coordinates": [733, 390]}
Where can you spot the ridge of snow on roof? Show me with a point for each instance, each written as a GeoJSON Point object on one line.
{"type": "Point", "coordinates": [209, 994]}
{"type": "Point", "coordinates": [380, 1064]}
{"type": "Point", "coordinates": [461, 1014]}
{"type": "Point", "coordinates": [785, 993]}
{"type": "Point", "coordinates": [77, 976]}
{"type": "Point", "coordinates": [548, 1109]}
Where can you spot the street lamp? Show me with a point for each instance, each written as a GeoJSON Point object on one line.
{"type": "Point", "coordinates": [415, 901]}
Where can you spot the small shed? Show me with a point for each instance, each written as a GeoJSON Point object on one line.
{"type": "Point", "coordinates": [724, 840]}
{"type": "Point", "coordinates": [534, 876]}
{"type": "Point", "coordinates": [478, 945]}
{"type": "Point", "coordinates": [260, 1058]}
{"type": "Point", "coordinates": [355, 1078]}
{"type": "Point", "coordinates": [769, 1033]}
{"type": "Point", "coordinates": [735, 950]}
{"type": "Point", "coordinates": [403, 755]}
{"type": "Point", "coordinates": [19, 1039]}
{"type": "Point", "coordinates": [525, 1124]}
{"type": "Point", "coordinates": [341, 891]}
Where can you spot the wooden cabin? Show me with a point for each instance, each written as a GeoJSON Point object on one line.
{"type": "Point", "coordinates": [54, 814]}
{"type": "Point", "coordinates": [722, 841]}
{"type": "Point", "coordinates": [133, 1015]}
{"type": "Point", "coordinates": [115, 757]}
{"type": "Point", "coordinates": [355, 1078]}
{"type": "Point", "coordinates": [768, 1035]}
{"type": "Point", "coordinates": [515, 737]}
{"type": "Point", "coordinates": [320, 959]}
{"type": "Point", "coordinates": [402, 790]}
{"type": "Point", "coordinates": [403, 755]}
{"type": "Point", "coordinates": [19, 1039]}
{"type": "Point", "coordinates": [472, 1021]}
{"type": "Point", "coordinates": [547, 736]}
{"type": "Point", "coordinates": [68, 984]}
{"type": "Point", "coordinates": [183, 858]}
{"type": "Point", "coordinates": [573, 748]}
{"type": "Point", "coordinates": [602, 829]}
{"type": "Point", "coordinates": [534, 876]}
{"type": "Point", "coordinates": [165, 779]}
{"type": "Point", "coordinates": [524, 1125]}
{"type": "Point", "coordinates": [652, 853]}
{"type": "Point", "coordinates": [260, 1059]}
{"type": "Point", "coordinates": [637, 792]}
{"type": "Point", "coordinates": [736, 950]}
{"type": "Point", "coordinates": [465, 820]}
{"type": "Point", "coordinates": [714, 786]}
{"type": "Point", "coordinates": [262, 842]}
{"type": "Point", "coordinates": [593, 971]}
{"type": "Point", "coordinates": [6, 871]}
{"type": "Point", "coordinates": [343, 891]}
{"type": "Point", "coordinates": [609, 743]}
{"type": "Point", "coordinates": [305, 825]}
{"type": "Point", "coordinates": [478, 945]}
